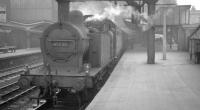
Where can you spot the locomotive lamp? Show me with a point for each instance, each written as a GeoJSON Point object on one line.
{"type": "Point", "coordinates": [86, 68]}
{"type": "Point", "coordinates": [73, 90]}
{"type": "Point", "coordinates": [26, 70]}
{"type": "Point", "coordinates": [88, 79]}
{"type": "Point", "coordinates": [116, 58]}
{"type": "Point", "coordinates": [55, 91]}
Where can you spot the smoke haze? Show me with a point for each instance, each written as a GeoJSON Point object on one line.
{"type": "Point", "coordinates": [118, 13]}
{"type": "Point", "coordinates": [106, 10]}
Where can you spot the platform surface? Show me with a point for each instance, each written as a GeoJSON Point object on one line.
{"type": "Point", "coordinates": [172, 84]}
{"type": "Point", "coordinates": [19, 52]}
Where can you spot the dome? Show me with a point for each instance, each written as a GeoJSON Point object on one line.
{"type": "Point", "coordinates": [76, 17]}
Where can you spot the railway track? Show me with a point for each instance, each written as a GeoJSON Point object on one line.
{"type": "Point", "coordinates": [18, 66]}
{"type": "Point", "coordinates": [21, 99]}
{"type": "Point", "coordinates": [11, 72]}
{"type": "Point", "coordinates": [12, 97]}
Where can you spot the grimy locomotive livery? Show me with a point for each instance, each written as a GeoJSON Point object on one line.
{"type": "Point", "coordinates": [77, 55]}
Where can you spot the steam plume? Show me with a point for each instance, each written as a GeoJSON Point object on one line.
{"type": "Point", "coordinates": [106, 10]}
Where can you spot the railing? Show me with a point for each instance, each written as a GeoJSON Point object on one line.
{"type": "Point", "coordinates": [194, 45]}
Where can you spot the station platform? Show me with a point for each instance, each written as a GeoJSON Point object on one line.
{"type": "Point", "coordinates": [172, 84]}
{"type": "Point", "coordinates": [19, 58]}
{"type": "Point", "coordinates": [19, 52]}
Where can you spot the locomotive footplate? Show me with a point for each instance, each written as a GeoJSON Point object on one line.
{"type": "Point", "coordinates": [80, 86]}
{"type": "Point", "coordinates": [75, 81]}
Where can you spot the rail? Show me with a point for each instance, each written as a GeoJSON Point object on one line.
{"type": "Point", "coordinates": [8, 82]}
{"type": "Point", "coordinates": [15, 67]}
{"type": "Point", "coordinates": [20, 100]}
{"type": "Point", "coordinates": [17, 70]}
{"type": "Point", "coordinates": [11, 95]}
{"type": "Point", "coordinates": [15, 96]}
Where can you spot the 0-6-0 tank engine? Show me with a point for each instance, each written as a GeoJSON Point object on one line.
{"type": "Point", "coordinates": [76, 58]}
{"type": "Point", "coordinates": [63, 46]}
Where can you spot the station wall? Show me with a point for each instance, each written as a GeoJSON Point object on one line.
{"type": "Point", "coordinates": [28, 11]}
{"type": "Point", "coordinates": [195, 17]}
{"type": "Point", "coordinates": [178, 15]}
{"type": "Point", "coordinates": [18, 37]}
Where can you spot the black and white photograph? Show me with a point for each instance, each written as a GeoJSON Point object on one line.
{"type": "Point", "coordinates": [99, 54]}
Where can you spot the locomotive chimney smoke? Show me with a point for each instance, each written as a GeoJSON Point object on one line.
{"type": "Point", "coordinates": [118, 13]}
{"type": "Point", "coordinates": [89, 7]}
{"type": "Point", "coordinates": [106, 10]}
{"type": "Point", "coordinates": [111, 11]}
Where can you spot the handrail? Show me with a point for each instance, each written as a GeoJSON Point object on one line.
{"type": "Point", "coordinates": [195, 31]}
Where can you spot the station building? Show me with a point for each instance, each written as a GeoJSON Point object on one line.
{"type": "Point", "coordinates": [22, 21]}
{"type": "Point", "coordinates": [18, 16]}
{"type": "Point", "coordinates": [30, 11]}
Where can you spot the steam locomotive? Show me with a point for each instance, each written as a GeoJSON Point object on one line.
{"type": "Point", "coordinates": [77, 55]}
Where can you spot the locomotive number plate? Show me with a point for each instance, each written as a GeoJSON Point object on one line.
{"type": "Point", "coordinates": [62, 43]}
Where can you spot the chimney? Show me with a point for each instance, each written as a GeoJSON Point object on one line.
{"type": "Point", "coordinates": [63, 10]}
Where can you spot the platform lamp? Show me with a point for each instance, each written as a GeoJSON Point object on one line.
{"type": "Point", "coordinates": [166, 8]}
